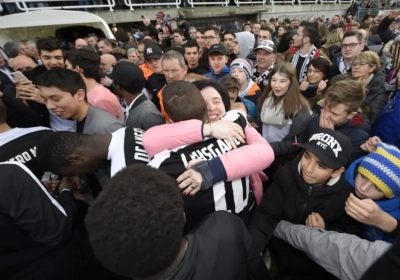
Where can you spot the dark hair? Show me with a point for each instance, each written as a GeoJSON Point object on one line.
{"type": "Point", "coordinates": [213, 28]}
{"type": "Point", "coordinates": [231, 84]}
{"type": "Point", "coordinates": [284, 43]}
{"type": "Point", "coordinates": [137, 83]}
{"type": "Point", "coordinates": [267, 28]}
{"type": "Point", "coordinates": [310, 30]}
{"type": "Point", "coordinates": [122, 36]}
{"type": "Point", "coordinates": [183, 101]}
{"type": "Point", "coordinates": [178, 30]}
{"type": "Point", "coordinates": [63, 79]}
{"type": "Point", "coordinates": [192, 44]}
{"type": "Point", "coordinates": [145, 42]}
{"type": "Point", "coordinates": [3, 112]}
{"type": "Point", "coordinates": [356, 34]}
{"type": "Point", "coordinates": [374, 30]}
{"type": "Point", "coordinates": [135, 224]}
{"type": "Point", "coordinates": [106, 42]}
{"type": "Point", "coordinates": [92, 35]}
{"type": "Point", "coordinates": [231, 32]}
{"type": "Point", "coordinates": [221, 90]}
{"type": "Point", "coordinates": [88, 60]}
{"type": "Point", "coordinates": [54, 148]}
{"type": "Point", "coordinates": [201, 30]}
{"type": "Point", "coordinates": [11, 49]}
{"type": "Point", "coordinates": [321, 64]}
{"type": "Point", "coordinates": [48, 44]}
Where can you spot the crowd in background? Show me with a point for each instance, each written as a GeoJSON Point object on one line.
{"type": "Point", "coordinates": [262, 150]}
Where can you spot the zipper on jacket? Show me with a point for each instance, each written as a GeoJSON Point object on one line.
{"type": "Point", "coordinates": [308, 194]}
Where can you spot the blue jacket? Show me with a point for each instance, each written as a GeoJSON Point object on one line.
{"type": "Point", "coordinates": [390, 206]}
{"type": "Point", "coordinates": [218, 77]}
{"type": "Point", "coordinates": [251, 108]}
{"type": "Point", "coordinates": [387, 126]}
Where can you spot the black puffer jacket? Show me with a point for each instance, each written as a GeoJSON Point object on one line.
{"type": "Point", "coordinates": [376, 98]}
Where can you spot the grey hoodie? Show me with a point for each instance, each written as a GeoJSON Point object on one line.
{"type": "Point", "coordinates": [344, 255]}
{"type": "Point", "coordinates": [246, 42]}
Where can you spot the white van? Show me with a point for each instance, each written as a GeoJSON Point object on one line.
{"type": "Point", "coordinates": [64, 25]}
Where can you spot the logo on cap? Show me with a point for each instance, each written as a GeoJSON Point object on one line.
{"type": "Point", "coordinates": [149, 50]}
{"type": "Point", "coordinates": [326, 140]}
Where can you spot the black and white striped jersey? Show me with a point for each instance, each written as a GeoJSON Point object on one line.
{"type": "Point", "coordinates": [126, 148]}
{"type": "Point", "coordinates": [234, 197]}
{"type": "Point", "coordinates": [19, 144]}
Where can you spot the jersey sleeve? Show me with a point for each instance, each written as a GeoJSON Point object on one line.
{"type": "Point", "coordinates": [32, 209]}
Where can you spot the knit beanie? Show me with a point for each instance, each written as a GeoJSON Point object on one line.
{"type": "Point", "coordinates": [245, 64]}
{"type": "Point", "coordinates": [382, 168]}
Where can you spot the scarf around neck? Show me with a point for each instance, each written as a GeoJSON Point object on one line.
{"type": "Point", "coordinates": [264, 76]}
{"type": "Point", "coordinates": [303, 72]}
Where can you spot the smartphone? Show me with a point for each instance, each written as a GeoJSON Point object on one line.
{"type": "Point", "coordinates": [160, 30]}
{"type": "Point", "coordinates": [19, 77]}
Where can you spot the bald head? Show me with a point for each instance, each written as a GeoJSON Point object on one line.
{"type": "Point", "coordinates": [79, 43]}
{"type": "Point", "coordinates": [107, 62]}
{"type": "Point", "coordinates": [23, 63]}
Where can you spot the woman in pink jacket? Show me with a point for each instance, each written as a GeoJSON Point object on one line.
{"type": "Point", "coordinates": [247, 160]}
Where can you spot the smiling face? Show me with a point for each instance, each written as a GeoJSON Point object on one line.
{"type": "Point", "coordinates": [217, 62]}
{"type": "Point", "coordinates": [315, 172]}
{"type": "Point", "coordinates": [314, 75]}
{"type": "Point", "coordinates": [215, 106]}
{"type": "Point", "coordinates": [52, 59]}
{"type": "Point", "coordinates": [280, 84]}
{"type": "Point", "coordinates": [264, 59]}
{"type": "Point", "coordinates": [364, 188]}
{"type": "Point", "coordinates": [351, 47]}
{"type": "Point", "coordinates": [62, 104]}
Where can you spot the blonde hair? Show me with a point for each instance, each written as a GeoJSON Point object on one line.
{"type": "Point", "coordinates": [370, 57]}
{"type": "Point", "coordinates": [334, 37]}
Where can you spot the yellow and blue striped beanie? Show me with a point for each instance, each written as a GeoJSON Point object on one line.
{"type": "Point", "coordinates": [382, 168]}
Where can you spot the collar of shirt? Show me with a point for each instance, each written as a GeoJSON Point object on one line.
{"type": "Point", "coordinates": [127, 109]}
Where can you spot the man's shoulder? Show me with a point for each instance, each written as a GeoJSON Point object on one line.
{"type": "Point", "coordinates": [101, 116]}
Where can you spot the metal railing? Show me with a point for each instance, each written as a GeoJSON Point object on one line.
{"type": "Point", "coordinates": [29, 5]}
{"type": "Point", "coordinates": [192, 3]}
{"type": "Point", "coordinates": [258, 2]}
{"type": "Point", "coordinates": [133, 3]}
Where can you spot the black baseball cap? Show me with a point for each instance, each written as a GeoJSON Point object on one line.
{"type": "Point", "coordinates": [331, 147]}
{"type": "Point", "coordinates": [125, 72]}
{"type": "Point", "coordinates": [217, 48]}
{"type": "Point", "coordinates": [152, 51]}
{"type": "Point", "coordinates": [180, 17]}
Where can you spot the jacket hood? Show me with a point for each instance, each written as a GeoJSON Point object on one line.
{"type": "Point", "coordinates": [386, 49]}
{"type": "Point", "coordinates": [377, 83]}
{"type": "Point", "coordinates": [246, 42]}
{"type": "Point", "coordinates": [224, 71]}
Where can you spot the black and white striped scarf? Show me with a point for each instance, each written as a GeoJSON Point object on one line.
{"type": "Point", "coordinates": [295, 59]}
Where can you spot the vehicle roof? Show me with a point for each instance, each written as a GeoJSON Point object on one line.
{"type": "Point", "coordinates": [48, 17]}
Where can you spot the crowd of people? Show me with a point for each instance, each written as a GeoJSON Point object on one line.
{"type": "Point", "coordinates": [257, 151]}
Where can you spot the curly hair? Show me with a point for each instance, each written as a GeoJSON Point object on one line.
{"type": "Point", "coordinates": [136, 224]}
{"type": "Point", "coordinates": [54, 148]}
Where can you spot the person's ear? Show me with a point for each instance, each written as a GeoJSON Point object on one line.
{"type": "Point", "coordinates": [74, 158]}
{"type": "Point", "coordinates": [337, 172]}
{"type": "Point", "coordinates": [226, 59]}
{"type": "Point", "coordinates": [80, 94]}
{"type": "Point", "coordinates": [185, 69]}
{"type": "Point", "coordinates": [352, 115]}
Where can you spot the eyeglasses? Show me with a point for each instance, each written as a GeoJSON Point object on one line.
{"type": "Point", "coordinates": [310, 71]}
{"type": "Point", "coordinates": [362, 63]}
{"type": "Point", "coordinates": [209, 37]}
{"type": "Point", "coordinates": [350, 46]}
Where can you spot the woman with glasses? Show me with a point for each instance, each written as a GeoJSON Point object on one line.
{"type": "Point", "coordinates": [366, 69]}
{"type": "Point", "coordinates": [314, 84]}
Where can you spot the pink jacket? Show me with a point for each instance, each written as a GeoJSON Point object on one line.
{"type": "Point", "coordinates": [246, 160]}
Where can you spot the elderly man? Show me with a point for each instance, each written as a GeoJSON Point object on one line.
{"type": "Point", "coordinates": [23, 63]}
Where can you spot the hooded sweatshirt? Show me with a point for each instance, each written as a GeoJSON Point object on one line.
{"type": "Point", "coordinates": [246, 42]}
{"type": "Point", "coordinates": [220, 76]}
{"type": "Point", "coordinates": [390, 206]}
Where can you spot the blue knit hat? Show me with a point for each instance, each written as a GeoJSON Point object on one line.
{"type": "Point", "coordinates": [382, 168]}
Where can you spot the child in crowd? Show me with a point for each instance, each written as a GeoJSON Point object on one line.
{"type": "Point", "coordinates": [232, 85]}
{"type": "Point", "coordinates": [311, 190]}
{"type": "Point", "coordinates": [339, 112]}
{"type": "Point", "coordinates": [242, 69]}
{"type": "Point", "coordinates": [218, 57]}
{"type": "Point", "coordinates": [376, 177]}
{"type": "Point", "coordinates": [284, 111]}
